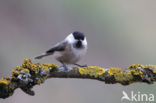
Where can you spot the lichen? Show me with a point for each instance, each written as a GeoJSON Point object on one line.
{"type": "Point", "coordinates": [15, 72]}
{"type": "Point", "coordinates": [4, 81]}
{"type": "Point", "coordinates": [139, 66]}
{"type": "Point", "coordinates": [121, 77]}
{"type": "Point", "coordinates": [91, 71]}
{"type": "Point", "coordinates": [39, 82]}
{"type": "Point", "coordinates": [25, 77]}
{"type": "Point", "coordinates": [153, 67]}
{"type": "Point", "coordinates": [45, 68]}
{"type": "Point", "coordinates": [136, 72]}
{"type": "Point", "coordinates": [30, 74]}
{"type": "Point", "coordinates": [112, 71]}
{"type": "Point", "coordinates": [6, 87]}
{"type": "Point", "coordinates": [50, 65]}
{"type": "Point", "coordinates": [136, 66]}
{"type": "Point", "coordinates": [27, 64]}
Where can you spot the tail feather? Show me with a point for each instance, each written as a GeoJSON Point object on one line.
{"type": "Point", "coordinates": [41, 56]}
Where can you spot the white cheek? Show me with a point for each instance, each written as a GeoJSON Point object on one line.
{"type": "Point", "coordinates": [70, 39]}
{"type": "Point", "coordinates": [85, 42]}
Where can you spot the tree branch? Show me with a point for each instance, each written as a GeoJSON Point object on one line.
{"type": "Point", "coordinates": [28, 75]}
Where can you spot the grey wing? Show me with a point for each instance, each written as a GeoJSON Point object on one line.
{"type": "Point", "coordinates": [58, 47]}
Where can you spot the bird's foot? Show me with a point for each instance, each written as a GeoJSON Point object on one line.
{"type": "Point", "coordinates": [65, 67]}
{"type": "Point", "coordinates": [81, 65]}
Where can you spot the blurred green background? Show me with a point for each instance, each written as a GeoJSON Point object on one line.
{"type": "Point", "coordinates": [119, 33]}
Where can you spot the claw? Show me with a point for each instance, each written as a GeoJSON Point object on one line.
{"type": "Point", "coordinates": [81, 65]}
{"type": "Point", "coordinates": [65, 67]}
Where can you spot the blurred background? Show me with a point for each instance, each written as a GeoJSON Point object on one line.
{"type": "Point", "coordinates": [119, 33]}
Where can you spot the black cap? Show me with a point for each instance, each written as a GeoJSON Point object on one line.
{"type": "Point", "coordinates": [78, 35]}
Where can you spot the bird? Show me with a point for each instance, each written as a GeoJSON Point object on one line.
{"type": "Point", "coordinates": [68, 51]}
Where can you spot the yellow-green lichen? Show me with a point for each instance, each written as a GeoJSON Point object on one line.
{"type": "Point", "coordinates": [150, 66]}
{"type": "Point", "coordinates": [50, 65]}
{"type": "Point", "coordinates": [121, 76]}
{"type": "Point", "coordinates": [27, 63]}
{"type": "Point", "coordinates": [136, 66]}
{"type": "Point", "coordinates": [112, 71]}
{"type": "Point", "coordinates": [46, 68]}
{"type": "Point", "coordinates": [44, 78]}
{"type": "Point", "coordinates": [92, 71]}
{"type": "Point", "coordinates": [15, 72]}
{"type": "Point", "coordinates": [25, 69]}
{"type": "Point", "coordinates": [154, 71]}
{"type": "Point", "coordinates": [39, 81]}
{"type": "Point", "coordinates": [4, 81]}
{"type": "Point", "coordinates": [136, 72]}
{"type": "Point", "coordinates": [153, 67]}
{"type": "Point", "coordinates": [36, 67]}
{"type": "Point", "coordinates": [18, 68]}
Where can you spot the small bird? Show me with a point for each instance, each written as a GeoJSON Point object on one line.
{"type": "Point", "coordinates": [70, 50]}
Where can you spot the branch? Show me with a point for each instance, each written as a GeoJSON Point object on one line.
{"type": "Point", "coordinates": [28, 75]}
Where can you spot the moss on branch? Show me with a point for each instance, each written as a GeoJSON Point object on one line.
{"type": "Point", "coordinates": [28, 75]}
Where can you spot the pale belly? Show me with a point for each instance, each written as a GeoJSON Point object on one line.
{"type": "Point", "coordinates": [70, 56]}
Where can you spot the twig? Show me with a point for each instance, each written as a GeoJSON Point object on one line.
{"type": "Point", "coordinates": [28, 75]}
